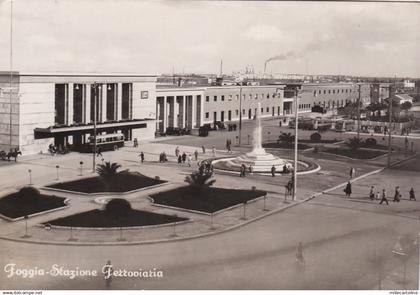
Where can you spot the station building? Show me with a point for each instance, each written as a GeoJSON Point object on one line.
{"type": "Point", "coordinates": [40, 109]}
{"type": "Point", "coordinates": [43, 109]}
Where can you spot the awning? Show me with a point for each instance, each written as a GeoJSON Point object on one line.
{"type": "Point", "coordinates": [81, 129]}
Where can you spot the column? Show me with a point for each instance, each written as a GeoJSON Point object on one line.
{"type": "Point", "coordinates": [171, 102]}
{"type": "Point", "coordinates": [103, 103]}
{"type": "Point", "coordinates": [165, 113]}
{"type": "Point", "coordinates": [202, 111]}
{"type": "Point", "coordinates": [194, 110]}
{"type": "Point", "coordinates": [70, 106]}
{"type": "Point", "coordinates": [119, 101]}
{"type": "Point", "coordinates": [88, 88]}
{"type": "Point", "coordinates": [183, 110]}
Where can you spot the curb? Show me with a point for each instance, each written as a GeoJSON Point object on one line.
{"type": "Point", "coordinates": [207, 234]}
{"type": "Point", "coordinates": [165, 239]}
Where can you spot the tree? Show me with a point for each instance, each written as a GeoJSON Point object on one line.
{"type": "Point", "coordinates": [316, 137]}
{"type": "Point", "coordinates": [108, 170]}
{"type": "Point", "coordinates": [286, 137]}
{"type": "Point", "coordinates": [405, 106]}
{"type": "Point", "coordinates": [117, 208]}
{"type": "Point", "coordinates": [355, 143]}
{"type": "Point", "coordinates": [200, 180]}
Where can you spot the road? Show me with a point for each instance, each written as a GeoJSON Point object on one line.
{"type": "Point", "coordinates": [338, 244]}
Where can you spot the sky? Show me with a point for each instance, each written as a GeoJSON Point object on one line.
{"type": "Point", "coordinates": [154, 37]}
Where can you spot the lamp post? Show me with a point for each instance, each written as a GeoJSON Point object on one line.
{"type": "Point", "coordinates": [57, 167]}
{"type": "Point", "coordinates": [358, 112]}
{"type": "Point", "coordinates": [81, 168]}
{"type": "Point", "coordinates": [26, 217]}
{"type": "Point", "coordinates": [95, 98]}
{"type": "Point", "coordinates": [30, 176]}
{"type": "Point", "coordinates": [391, 100]}
{"type": "Point", "coordinates": [296, 145]}
{"type": "Point", "coordinates": [240, 115]}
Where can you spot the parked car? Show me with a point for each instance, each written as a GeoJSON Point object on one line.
{"type": "Point", "coordinates": [177, 131]}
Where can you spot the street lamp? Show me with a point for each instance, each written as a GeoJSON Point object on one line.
{"type": "Point", "coordinates": [57, 167]}
{"type": "Point", "coordinates": [96, 87]}
{"type": "Point", "coordinates": [296, 144]}
{"type": "Point", "coordinates": [26, 217]}
{"type": "Point", "coordinates": [30, 176]}
{"type": "Point", "coordinates": [240, 114]}
{"type": "Point", "coordinates": [81, 168]}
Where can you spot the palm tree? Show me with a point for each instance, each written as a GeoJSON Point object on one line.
{"type": "Point", "coordinates": [286, 137]}
{"type": "Point", "coordinates": [108, 169]}
{"type": "Point", "coordinates": [200, 180]}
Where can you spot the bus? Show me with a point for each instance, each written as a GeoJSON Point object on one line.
{"type": "Point", "coordinates": [106, 142]}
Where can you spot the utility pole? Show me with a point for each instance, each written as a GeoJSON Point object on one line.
{"type": "Point", "coordinates": [95, 97]}
{"type": "Point", "coordinates": [391, 100]}
{"type": "Point", "coordinates": [296, 145]}
{"type": "Point", "coordinates": [11, 73]}
{"type": "Point", "coordinates": [240, 114]}
{"type": "Point", "coordinates": [358, 112]}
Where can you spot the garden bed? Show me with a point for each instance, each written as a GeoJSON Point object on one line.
{"type": "Point", "coordinates": [119, 183]}
{"type": "Point", "coordinates": [205, 199]}
{"type": "Point", "coordinates": [16, 205]}
{"type": "Point", "coordinates": [101, 219]}
{"type": "Point", "coordinates": [360, 154]}
{"type": "Point", "coordinates": [285, 145]}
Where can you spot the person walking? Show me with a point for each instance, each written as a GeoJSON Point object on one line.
{"type": "Point", "coordinates": [142, 156]}
{"type": "Point", "coordinates": [352, 172]}
{"type": "Point", "coordinates": [300, 260]}
{"type": "Point", "coordinates": [99, 152]}
{"type": "Point", "coordinates": [397, 194]}
{"type": "Point", "coordinates": [412, 195]}
{"type": "Point", "coordinates": [184, 157]}
{"type": "Point", "coordinates": [196, 155]}
{"type": "Point", "coordinates": [372, 193]}
{"type": "Point", "coordinates": [177, 152]}
{"type": "Point", "coordinates": [203, 149]}
{"type": "Point", "coordinates": [179, 159]}
{"type": "Point", "coordinates": [107, 270]}
{"type": "Point", "coordinates": [189, 160]}
{"type": "Point", "coordinates": [251, 169]}
{"type": "Point", "coordinates": [213, 150]}
{"type": "Point", "coordinates": [384, 199]}
{"type": "Point", "coordinates": [347, 190]}
{"type": "Point", "coordinates": [273, 171]}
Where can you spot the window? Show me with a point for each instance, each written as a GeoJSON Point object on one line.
{"type": "Point", "coordinates": [144, 95]}
{"type": "Point", "coordinates": [230, 97]}
{"type": "Point", "coordinates": [346, 90]}
{"type": "Point", "coordinates": [250, 96]}
{"type": "Point", "coordinates": [256, 96]}
{"type": "Point", "coordinates": [207, 115]}
{"type": "Point", "coordinates": [319, 92]}
{"type": "Point", "coordinates": [268, 109]}
{"type": "Point", "coordinates": [223, 98]}
{"type": "Point", "coordinates": [243, 96]}
{"type": "Point", "coordinates": [237, 112]}
{"type": "Point", "coordinates": [262, 110]}
{"type": "Point", "coordinates": [207, 98]}
{"type": "Point", "coordinates": [215, 98]}
{"type": "Point", "coordinates": [325, 91]}
{"type": "Point", "coordinates": [274, 95]}
{"type": "Point", "coordinates": [350, 90]}
{"type": "Point", "coordinates": [329, 91]}
{"type": "Point", "coordinates": [237, 96]}
{"type": "Point", "coordinates": [333, 91]}
{"type": "Point", "coordinates": [243, 111]}
{"type": "Point", "coordinates": [268, 96]}
{"type": "Point", "coordinates": [315, 93]}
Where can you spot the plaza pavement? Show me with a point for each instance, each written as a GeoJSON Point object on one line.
{"type": "Point", "coordinates": [339, 234]}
